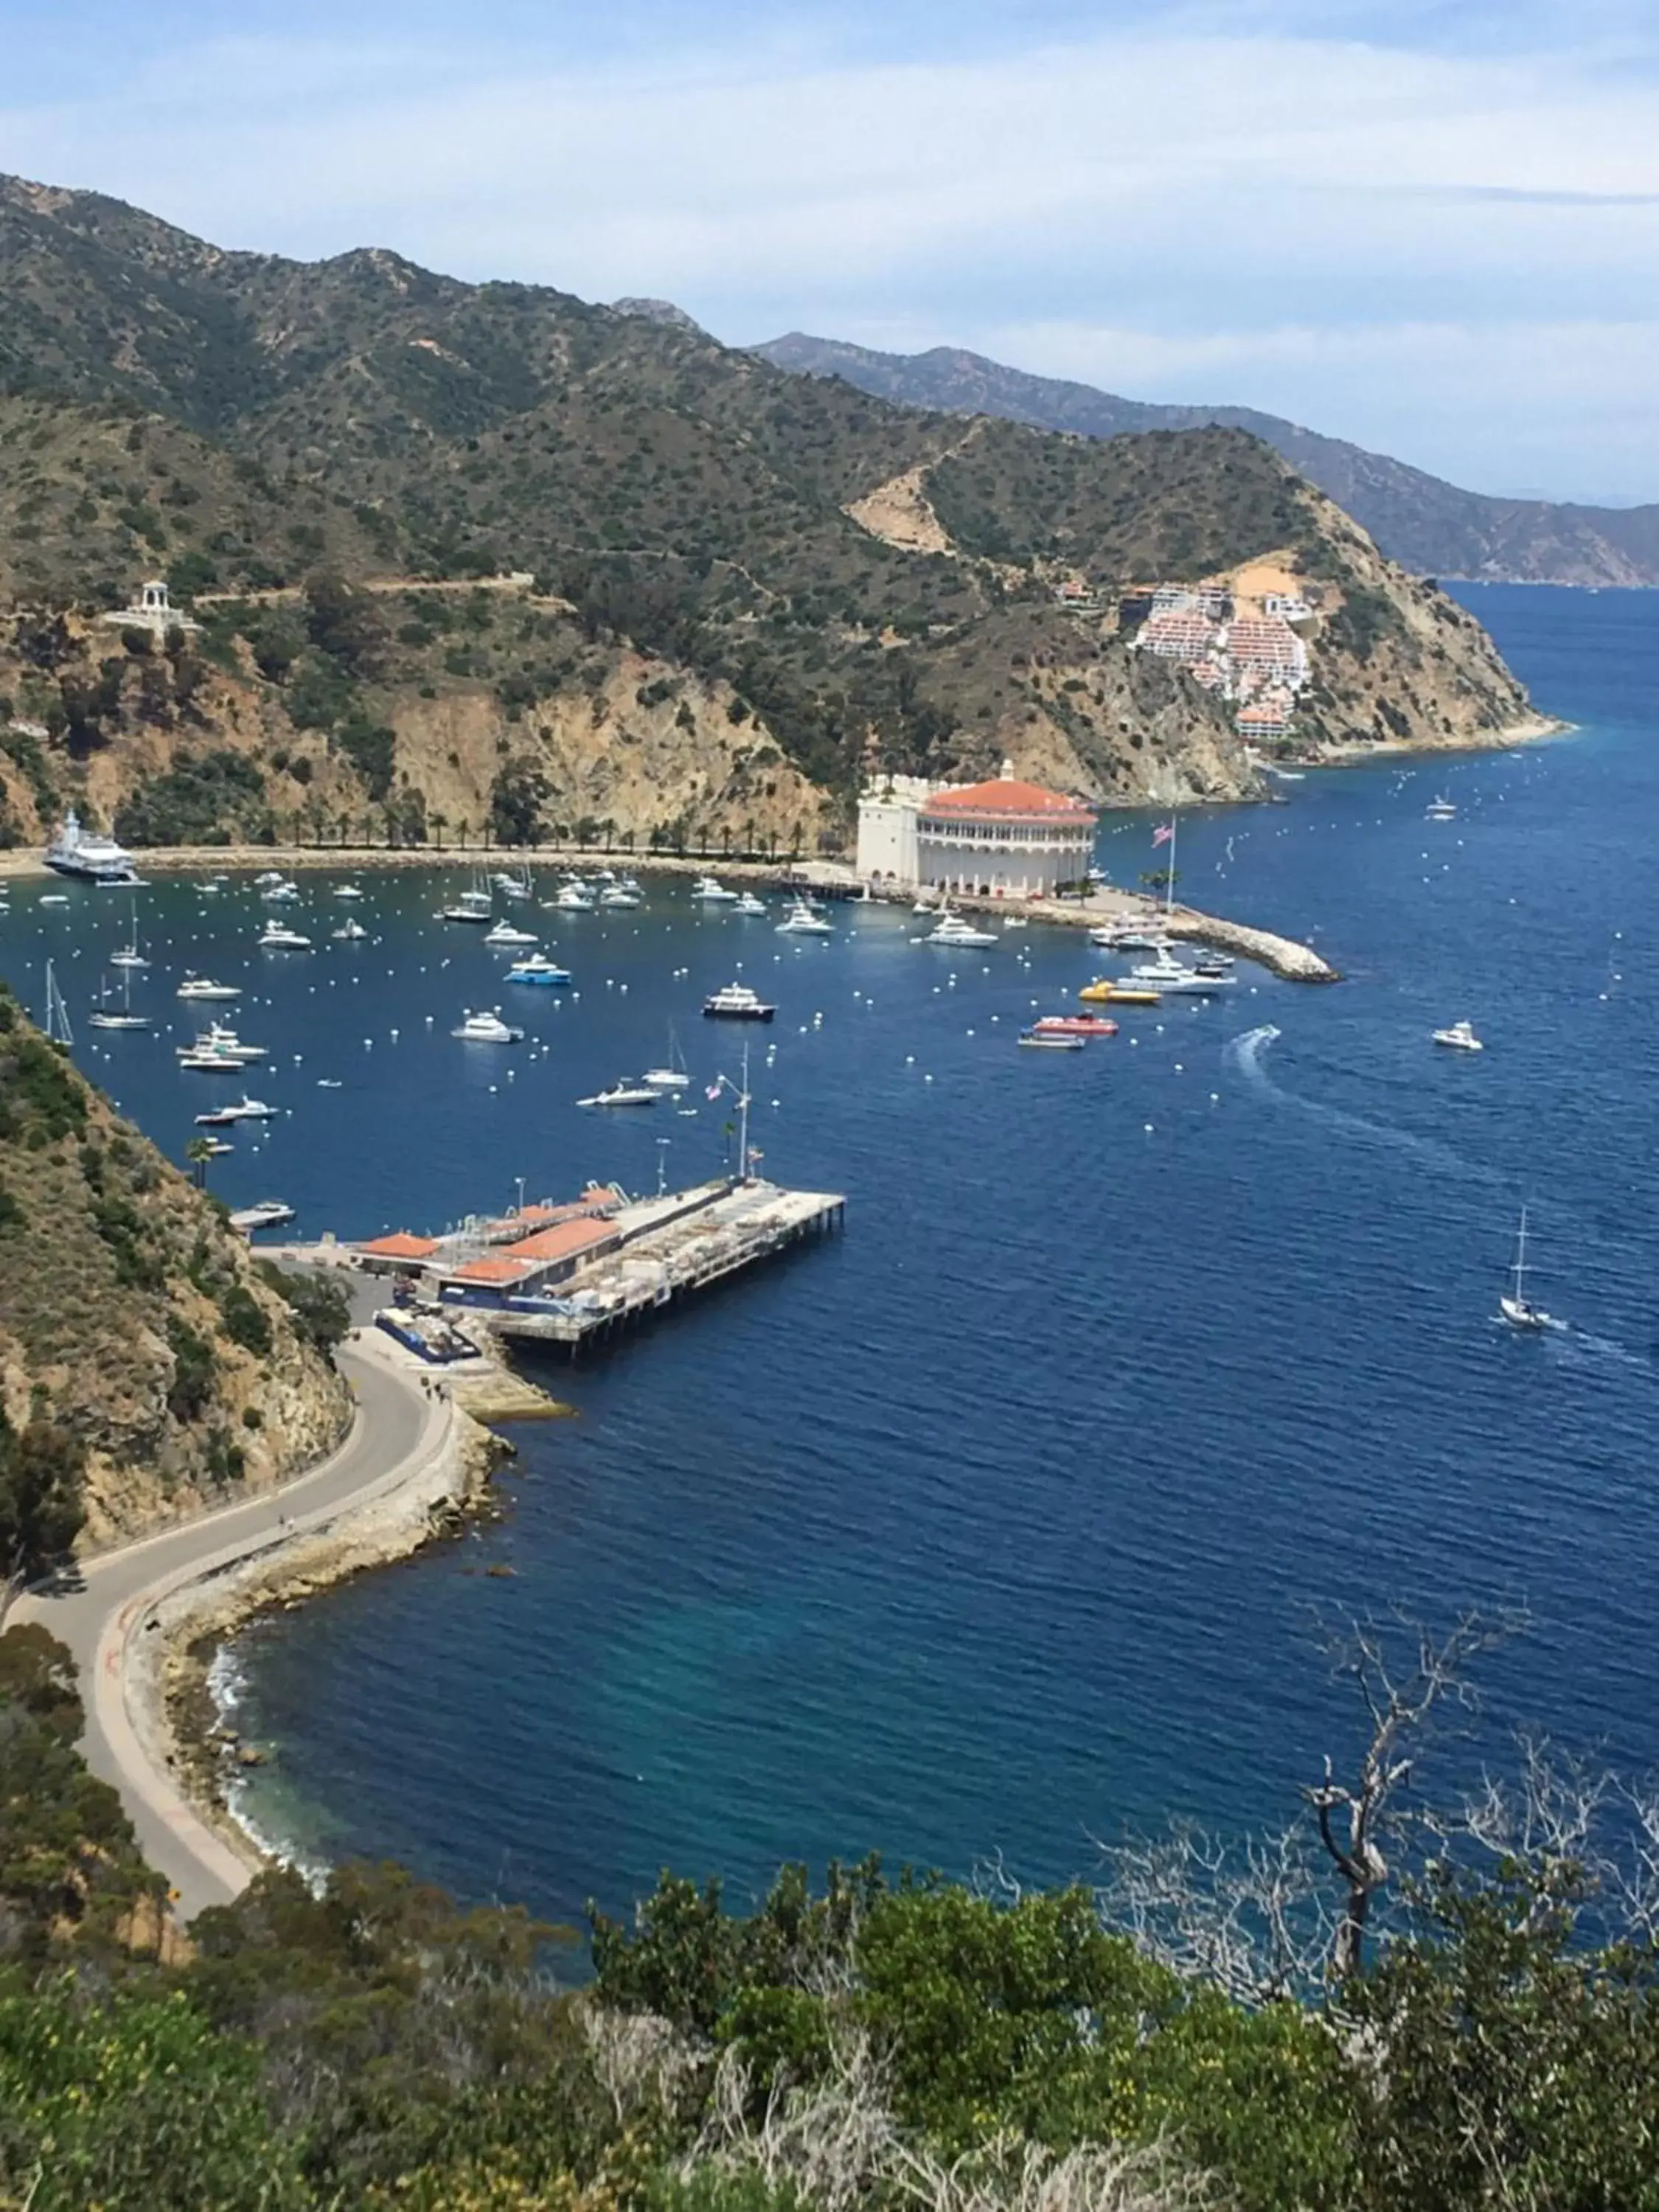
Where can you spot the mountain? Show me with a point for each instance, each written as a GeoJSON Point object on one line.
{"type": "Point", "coordinates": [469, 554]}
{"type": "Point", "coordinates": [1432, 528]}
{"type": "Point", "coordinates": [143, 1353]}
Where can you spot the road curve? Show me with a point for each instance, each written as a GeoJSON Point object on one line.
{"type": "Point", "coordinates": [396, 1433]}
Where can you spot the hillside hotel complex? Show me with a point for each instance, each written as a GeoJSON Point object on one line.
{"type": "Point", "coordinates": [1001, 839]}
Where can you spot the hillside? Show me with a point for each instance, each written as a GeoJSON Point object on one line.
{"type": "Point", "coordinates": [1430, 527]}
{"type": "Point", "coordinates": [565, 563]}
{"type": "Point", "coordinates": [142, 1349]}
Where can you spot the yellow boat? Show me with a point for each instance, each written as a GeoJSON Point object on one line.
{"type": "Point", "coordinates": [1104, 991]}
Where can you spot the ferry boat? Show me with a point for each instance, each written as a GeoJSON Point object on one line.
{"type": "Point", "coordinates": [736, 1002]}
{"type": "Point", "coordinates": [1461, 1037]}
{"type": "Point", "coordinates": [711, 889]}
{"type": "Point", "coordinates": [505, 933]}
{"type": "Point", "coordinates": [537, 967]}
{"type": "Point", "coordinates": [277, 937]}
{"type": "Point", "coordinates": [802, 920]}
{"type": "Point", "coordinates": [1083, 1026]}
{"type": "Point", "coordinates": [269, 1213]}
{"type": "Point", "coordinates": [486, 1027]}
{"type": "Point", "coordinates": [622, 1093]}
{"type": "Point", "coordinates": [87, 855]}
{"type": "Point", "coordinates": [203, 986]}
{"type": "Point", "coordinates": [1051, 1041]}
{"type": "Point", "coordinates": [952, 930]}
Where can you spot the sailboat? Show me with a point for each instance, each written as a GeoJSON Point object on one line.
{"type": "Point", "coordinates": [57, 1021]}
{"type": "Point", "coordinates": [1515, 1307]}
{"type": "Point", "coordinates": [104, 1016]}
{"type": "Point", "coordinates": [130, 956]}
{"type": "Point", "coordinates": [674, 1076]}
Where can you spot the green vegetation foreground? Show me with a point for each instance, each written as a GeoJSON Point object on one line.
{"type": "Point", "coordinates": [877, 2043]}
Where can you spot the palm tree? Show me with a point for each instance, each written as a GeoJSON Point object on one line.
{"type": "Point", "coordinates": [199, 1152]}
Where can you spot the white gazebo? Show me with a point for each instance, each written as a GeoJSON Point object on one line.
{"type": "Point", "coordinates": [153, 610]}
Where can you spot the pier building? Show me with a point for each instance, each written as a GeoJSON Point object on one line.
{"type": "Point", "coordinates": [1003, 839]}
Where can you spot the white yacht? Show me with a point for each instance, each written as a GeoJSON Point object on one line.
{"type": "Point", "coordinates": [1461, 1037]}
{"type": "Point", "coordinates": [486, 1027]}
{"type": "Point", "coordinates": [749, 903]}
{"type": "Point", "coordinates": [83, 853]}
{"type": "Point", "coordinates": [350, 931]}
{"type": "Point", "coordinates": [203, 986]}
{"type": "Point", "coordinates": [283, 892]}
{"type": "Point", "coordinates": [1167, 973]}
{"type": "Point", "coordinates": [537, 967]}
{"type": "Point", "coordinates": [347, 891]}
{"type": "Point", "coordinates": [713, 892]}
{"type": "Point", "coordinates": [130, 956]}
{"type": "Point", "coordinates": [1126, 937]}
{"type": "Point", "coordinates": [951, 930]}
{"type": "Point", "coordinates": [217, 1038]}
{"type": "Point", "coordinates": [1440, 810]}
{"type": "Point", "coordinates": [269, 1213]}
{"type": "Point", "coordinates": [674, 1076]}
{"type": "Point", "coordinates": [736, 1002]}
{"type": "Point", "coordinates": [277, 937]}
{"type": "Point", "coordinates": [245, 1110]}
{"type": "Point", "coordinates": [622, 1093]}
{"type": "Point", "coordinates": [573, 897]}
{"type": "Point", "coordinates": [620, 894]}
{"type": "Point", "coordinates": [210, 1059]}
{"type": "Point", "coordinates": [267, 876]}
{"type": "Point", "coordinates": [505, 933]}
{"type": "Point", "coordinates": [517, 887]}
{"type": "Point", "coordinates": [1514, 1306]}
{"type": "Point", "coordinates": [804, 920]}
{"type": "Point", "coordinates": [472, 906]}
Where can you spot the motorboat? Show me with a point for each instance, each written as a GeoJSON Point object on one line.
{"type": "Point", "coordinates": [1169, 976]}
{"type": "Point", "coordinates": [217, 1147]}
{"type": "Point", "coordinates": [571, 898]}
{"type": "Point", "coordinates": [674, 1076]}
{"type": "Point", "coordinates": [203, 986]}
{"type": "Point", "coordinates": [713, 892]}
{"type": "Point", "coordinates": [347, 891]}
{"type": "Point", "coordinates": [1461, 1037]}
{"type": "Point", "coordinates": [129, 956]}
{"type": "Point", "coordinates": [1051, 1041]}
{"type": "Point", "coordinates": [537, 967]}
{"type": "Point", "coordinates": [620, 894]}
{"type": "Point", "coordinates": [952, 930]}
{"type": "Point", "coordinates": [283, 892]}
{"type": "Point", "coordinates": [245, 1110]}
{"type": "Point", "coordinates": [736, 1002]}
{"type": "Point", "coordinates": [514, 887]}
{"type": "Point", "coordinates": [267, 876]}
{"type": "Point", "coordinates": [75, 851]}
{"type": "Point", "coordinates": [505, 933]}
{"type": "Point", "coordinates": [277, 937]}
{"type": "Point", "coordinates": [486, 1027]}
{"type": "Point", "coordinates": [472, 906]}
{"type": "Point", "coordinates": [217, 1038]}
{"type": "Point", "coordinates": [350, 931]}
{"type": "Point", "coordinates": [1125, 937]}
{"type": "Point", "coordinates": [1513, 1305]}
{"type": "Point", "coordinates": [1440, 810]}
{"type": "Point", "coordinates": [1104, 991]}
{"type": "Point", "coordinates": [1083, 1026]}
{"type": "Point", "coordinates": [269, 1213]}
{"type": "Point", "coordinates": [207, 1059]}
{"type": "Point", "coordinates": [749, 903]}
{"type": "Point", "coordinates": [1209, 962]}
{"type": "Point", "coordinates": [622, 1093]}
{"type": "Point", "coordinates": [804, 920]}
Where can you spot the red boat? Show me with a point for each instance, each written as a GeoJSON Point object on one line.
{"type": "Point", "coordinates": [1083, 1026]}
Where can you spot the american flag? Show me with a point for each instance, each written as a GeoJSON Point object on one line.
{"type": "Point", "coordinates": [714, 1090]}
{"type": "Point", "coordinates": [1162, 834]}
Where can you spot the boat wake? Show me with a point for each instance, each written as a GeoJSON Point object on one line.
{"type": "Point", "coordinates": [1246, 1053]}
{"type": "Point", "coordinates": [1608, 1348]}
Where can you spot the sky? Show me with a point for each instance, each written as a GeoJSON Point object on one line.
{"type": "Point", "coordinates": [1432, 228]}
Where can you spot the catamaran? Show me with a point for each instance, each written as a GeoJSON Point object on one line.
{"type": "Point", "coordinates": [1514, 1306]}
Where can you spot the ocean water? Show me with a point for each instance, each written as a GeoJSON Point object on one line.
{"type": "Point", "coordinates": [992, 1524]}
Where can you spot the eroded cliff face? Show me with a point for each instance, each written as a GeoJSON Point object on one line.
{"type": "Point", "coordinates": [131, 1316]}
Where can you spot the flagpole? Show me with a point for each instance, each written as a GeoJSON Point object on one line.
{"type": "Point", "coordinates": [742, 1119]}
{"type": "Point", "coordinates": [1168, 877]}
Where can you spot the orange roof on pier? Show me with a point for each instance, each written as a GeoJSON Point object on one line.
{"type": "Point", "coordinates": [400, 1245]}
{"type": "Point", "coordinates": [1006, 798]}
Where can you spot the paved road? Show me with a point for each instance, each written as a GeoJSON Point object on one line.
{"type": "Point", "coordinates": [396, 1433]}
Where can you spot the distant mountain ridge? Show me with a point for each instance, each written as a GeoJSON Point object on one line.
{"type": "Point", "coordinates": [1431, 527]}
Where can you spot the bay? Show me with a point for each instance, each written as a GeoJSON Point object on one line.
{"type": "Point", "coordinates": [991, 1525]}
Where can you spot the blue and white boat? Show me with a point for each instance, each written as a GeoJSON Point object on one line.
{"type": "Point", "coordinates": [537, 967]}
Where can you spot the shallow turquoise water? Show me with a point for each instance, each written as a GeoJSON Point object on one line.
{"type": "Point", "coordinates": [989, 1525]}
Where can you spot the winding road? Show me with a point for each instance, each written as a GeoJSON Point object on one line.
{"type": "Point", "coordinates": [396, 1434]}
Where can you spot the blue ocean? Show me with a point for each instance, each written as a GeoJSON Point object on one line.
{"type": "Point", "coordinates": [994, 1524]}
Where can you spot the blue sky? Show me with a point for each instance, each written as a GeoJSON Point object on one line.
{"type": "Point", "coordinates": [1432, 228]}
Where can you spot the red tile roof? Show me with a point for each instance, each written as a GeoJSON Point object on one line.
{"type": "Point", "coordinates": [1005, 800]}
{"type": "Point", "coordinates": [400, 1246]}
{"type": "Point", "coordinates": [564, 1241]}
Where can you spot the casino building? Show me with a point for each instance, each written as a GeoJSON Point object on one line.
{"type": "Point", "coordinates": [1001, 839]}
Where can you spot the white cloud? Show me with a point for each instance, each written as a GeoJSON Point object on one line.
{"type": "Point", "coordinates": [1229, 205]}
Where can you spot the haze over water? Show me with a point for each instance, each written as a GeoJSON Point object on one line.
{"type": "Point", "coordinates": [988, 1525]}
